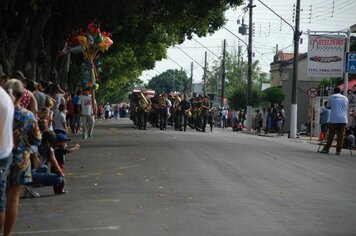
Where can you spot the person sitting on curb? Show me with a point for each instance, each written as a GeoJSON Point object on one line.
{"type": "Point", "coordinates": [42, 176]}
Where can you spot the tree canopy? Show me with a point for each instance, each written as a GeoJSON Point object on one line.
{"type": "Point", "coordinates": [236, 80]}
{"type": "Point", "coordinates": [32, 32]}
{"type": "Point", "coordinates": [170, 81]}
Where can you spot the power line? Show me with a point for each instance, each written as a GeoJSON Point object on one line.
{"type": "Point", "coordinates": [190, 57]}
{"type": "Point", "coordinates": [206, 48]}
{"type": "Point", "coordinates": [179, 65]}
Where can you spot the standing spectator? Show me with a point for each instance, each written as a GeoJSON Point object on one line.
{"type": "Point", "coordinates": [70, 113]}
{"type": "Point", "coordinates": [229, 117]}
{"type": "Point", "coordinates": [59, 120]}
{"type": "Point", "coordinates": [76, 112]}
{"type": "Point", "coordinates": [117, 110]}
{"type": "Point", "coordinates": [224, 118]}
{"type": "Point", "coordinates": [40, 96]}
{"type": "Point", "coordinates": [101, 112]}
{"type": "Point", "coordinates": [242, 118]}
{"type": "Point", "coordinates": [324, 120]}
{"type": "Point", "coordinates": [353, 121]}
{"type": "Point", "coordinates": [107, 111]}
{"type": "Point", "coordinates": [338, 104]}
{"type": "Point", "coordinates": [57, 94]}
{"type": "Point", "coordinates": [280, 117]}
{"type": "Point", "coordinates": [258, 121]}
{"type": "Point", "coordinates": [269, 121]}
{"type": "Point", "coordinates": [6, 142]}
{"type": "Point", "coordinates": [49, 105]}
{"type": "Point", "coordinates": [26, 133]}
{"type": "Point", "coordinates": [87, 113]}
{"type": "Point", "coordinates": [28, 100]}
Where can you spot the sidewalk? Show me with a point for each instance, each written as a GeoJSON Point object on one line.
{"type": "Point", "coordinates": [300, 138]}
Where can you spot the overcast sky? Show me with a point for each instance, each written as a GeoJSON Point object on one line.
{"type": "Point", "coordinates": [316, 15]}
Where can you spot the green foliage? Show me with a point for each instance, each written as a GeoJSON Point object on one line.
{"type": "Point", "coordinates": [238, 96]}
{"type": "Point", "coordinates": [170, 81]}
{"type": "Point", "coordinates": [236, 80]}
{"type": "Point", "coordinates": [330, 82]}
{"type": "Point", "coordinates": [32, 33]}
{"type": "Point", "coordinates": [273, 95]}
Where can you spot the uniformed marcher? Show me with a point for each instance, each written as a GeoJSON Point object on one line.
{"type": "Point", "coordinates": [134, 110]}
{"type": "Point", "coordinates": [185, 111]}
{"type": "Point", "coordinates": [205, 106]}
{"type": "Point", "coordinates": [163, 111]}
{"type": "Point", "coordinates": [143, 110]}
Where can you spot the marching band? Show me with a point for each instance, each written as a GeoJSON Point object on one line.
{"type": "Point", "coordinates": [162, 110]}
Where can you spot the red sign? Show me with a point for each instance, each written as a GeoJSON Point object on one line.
{"type": "Point", "coordinates": [312, 92]}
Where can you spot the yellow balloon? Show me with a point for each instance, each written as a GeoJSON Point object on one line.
{"type": "Point", "coordinates": [83, 41]}
{"type": "Point", "coordinates": [105, 44]}
{"type": "Point", "coordinates": [97, 87]}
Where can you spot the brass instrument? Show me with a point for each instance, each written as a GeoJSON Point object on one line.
{"type": "Point", "coordinates": [144, 104]}
{"type": "Point", "coordinates": [162, 102]}
{"type": "Point", "coordinates": [177, 101]}
{"type": "Point", "coordinates": [188, 113]}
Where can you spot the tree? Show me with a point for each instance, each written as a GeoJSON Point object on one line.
{"type": "Point", "coordinates": [32, 32]}
{"type": "Point", "coordinates": [236, 80]}
{"type": "Point", "coordinates": [170, 81]}
{"type": "Point", "coordinates": [273, 95]}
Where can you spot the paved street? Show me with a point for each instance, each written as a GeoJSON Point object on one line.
{"type": "Point", "coordinates": [134, 182]}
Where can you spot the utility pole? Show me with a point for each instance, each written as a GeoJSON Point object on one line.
{"type": "Point", "coordinates": [249, 70]}
{"type": "Point", "coordinates": [223, 75]}
{"type": "Point", "coordinates": [294, 106]}
{"type": "Point", "coordinates": [239, 62]}
{"type": "Point", "coordinates": [205, 65]}
{"type": "Point", "coordinates": [191, 80]}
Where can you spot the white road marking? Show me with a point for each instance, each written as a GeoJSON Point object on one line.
{"type": "Point", "coordinates": [68, 230]}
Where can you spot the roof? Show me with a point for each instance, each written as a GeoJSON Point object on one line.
{"type": "Point", "coordinates": [350, 85]}
{"type": "Point", "coordinates": [290, 61]}
{"type": "Point", "coordinates": [284, 56]}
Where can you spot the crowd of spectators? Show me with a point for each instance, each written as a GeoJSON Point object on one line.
{"type": "Point", "coordinates": [36, 118]}
{"type": "Point", "coordinates": [269, 120]}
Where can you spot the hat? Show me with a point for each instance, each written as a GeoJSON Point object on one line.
{"type": "Point", "coordinates": [62, 137]}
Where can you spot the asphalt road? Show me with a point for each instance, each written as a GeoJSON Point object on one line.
{"type": "Point", "coordinates": [134, 182]}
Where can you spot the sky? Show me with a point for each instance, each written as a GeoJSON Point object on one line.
{"type": "Point", "coordinates": [269, 30]}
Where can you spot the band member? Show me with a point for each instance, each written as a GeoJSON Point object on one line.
{"type": "Point", "coordinates": [211, 117]}
{"type": "Point", "coordinates": [177, 112]}
{"type": "Point", "coordinates": [163, 111]}
{"type": "Point", "coordinates": [198, 113]}
{"type": "Point", "coordinates": [134, 110]}
{"type": "Point", "coordinates": [143, 110]}
{"type": "Point", "coordinates": [185, 112]}
{"type": "Point", "coordinates": [153, 116]}
{"type": "Point", "coordinates": [205, 107]}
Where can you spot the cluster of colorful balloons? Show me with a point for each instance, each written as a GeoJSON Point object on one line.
{"type": "Point", "coordinates": [95, 38]}
{"type": "Point", "coordinates": [89, 42]}
{"type": "Point", "coordinates": [89, 84]}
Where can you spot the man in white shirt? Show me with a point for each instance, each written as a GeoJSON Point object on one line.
{"type": "Point", "coordinates": [338, 104]}
{"type": "Point", "coordinates": [87, 113]}
{"type": "Point", "coordinates": [6, 144]}
{"type": "Point", "coordinates": [107, 108]}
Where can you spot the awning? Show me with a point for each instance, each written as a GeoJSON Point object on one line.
{"type": "Point", "coordinates": [351, 84]}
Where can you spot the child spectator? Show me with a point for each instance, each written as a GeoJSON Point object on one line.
{"type": "Point", "coordinates": [349, 139]}
{"type": "Point", "coordinates": [60, 153]}
{"type": "Point", "coordinates": [59, 120]}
